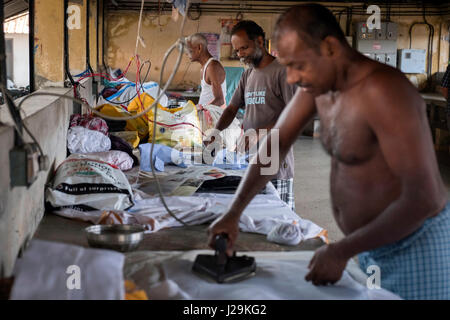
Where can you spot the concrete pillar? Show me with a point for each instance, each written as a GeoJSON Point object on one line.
{"type": "Point", "coordinates": [49, 43]}
{"type": "Point", "coordinates": [77, 39]}
{"type": "Point", "coordinates": [101, 34]}
{"type": "Point", "coordinates": [93, 34]}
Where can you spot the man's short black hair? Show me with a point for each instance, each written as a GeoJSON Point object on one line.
{"type": "Point", "coordinates": [312, 22]}
{"type": "Point", "coordinates": [252, 29]}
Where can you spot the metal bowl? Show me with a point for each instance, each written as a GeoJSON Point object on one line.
{"type": "Point", "coordinates": [119, 237]}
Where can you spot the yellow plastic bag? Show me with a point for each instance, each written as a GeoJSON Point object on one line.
{"type": "Point", "coordinates": [177, 128]}
{"type": "Point", "coordinates": [139, 124]}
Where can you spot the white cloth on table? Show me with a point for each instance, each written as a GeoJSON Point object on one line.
{"type": "Point", "coordinates": [150, 213]}
{"type": "Point", "coordinates": [43, 273]}
{"type": "Point", "coordinates": [279, 276]}
{"type": "Point", "coordinates": [267, 212]}
{"type": "Point", "coordinates": [286, 233]}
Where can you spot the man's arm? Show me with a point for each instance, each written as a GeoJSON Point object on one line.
{"type": "Point", "coordinates": [236, 102]}
{"type": "Point", "coordinates": [227, 117]}
{"type": "Point", "coordinates": [396, 115]}
{"type": "Point", "coordinates": [291, 122]}
{"type": "Point", "coordinates": [216, 76]}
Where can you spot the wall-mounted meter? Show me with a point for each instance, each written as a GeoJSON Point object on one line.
{"type": "Point", "coordinates": [412, 60]}
{"type": "Point", "coordinates": [378, 44]}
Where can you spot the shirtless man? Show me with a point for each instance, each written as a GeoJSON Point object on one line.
{"type": "Point", "coordinates": [386, 191]}
{"type": "Point", "coordinates": [213, 82]}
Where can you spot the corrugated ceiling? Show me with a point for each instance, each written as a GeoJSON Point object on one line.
{"type": "Point", "coordinates": [14, 7]}
{"type": "Point", "coordinates": [433, 7]}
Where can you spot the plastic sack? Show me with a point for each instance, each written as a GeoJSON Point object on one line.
{"type": "Point", "coordinates": [128, 93]}
{"type": "Point", "coordinates": [177, 128]}
{"type": "Point", "coordinates": [87, 184]}
{"type": "Point", "coordinates": [139, 124]}
{"type": "Point", "coordinates": [89, 122]}
{"type": "Point", "coordinates": [209, 116]}
{"type": "Point", "coordinates": [82, 140]}
{"type": "Point", "coordinates": [117, 158]}
{"type": "Point", "coordinates": [132, 137]}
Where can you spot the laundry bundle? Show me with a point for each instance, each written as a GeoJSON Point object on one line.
{"type": "Point", "coordinates": [82, 140]}
{"type": "Point", "coordinates": [88, 184]}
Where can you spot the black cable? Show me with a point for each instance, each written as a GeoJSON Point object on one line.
{"type": "Point", "coordinates": [15, 115]}
{"type": "Point", "coordinates": [14, 112]}
{"type": "Point", "coordinates": [103, 35]}
{"type": "Point", "coordinates": [31, 11]}
{"type": "Point", "coordinates": [388, 12]}
{"type": "Point", "coordinates": [349, 21]}
{"type": "Point", "coordinates": [140, 82]}
{"type": "Point", "coordinates": [97, 2]}
{"type": "Point", "coordinates": [88, 36]}
{"type": "Point", "coordinates": [66, 45]}
{"type": "Point", "coordinates": [430, 41]}
{"type": "Point", "coordinates": [340, 14]}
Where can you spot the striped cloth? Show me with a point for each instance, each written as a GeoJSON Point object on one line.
{"type": "Point", "coordinates": [285, 188]}
{"type": "Point", "coordinates": [418, 266]}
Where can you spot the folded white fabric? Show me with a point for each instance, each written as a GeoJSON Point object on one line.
{"type": "Point", "coordinates": [264, 213]}
{"type": "Point", "coordinates": [150, 213]}
{"type": "Point", "coordinates": [57, 271]}
{"type": "Point", "coordinates": [190, 210]}
{"type": "Point", "coordinates": [286, 233]}
{"type": "Point", "coordinates": [117, 158]}
{"type": "Point", "coordinates": [82, 140]}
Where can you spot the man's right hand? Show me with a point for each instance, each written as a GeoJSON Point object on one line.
{"type": "Point", "coordinates": [224, 224]}
{"type": "Point", "coordinates": [209, 140]}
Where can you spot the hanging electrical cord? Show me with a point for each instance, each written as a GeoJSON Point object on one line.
{"type": "Point", "coordinates": [141, 83]}
{"type": "Point", "coordinates": [430, 41]}
{"type": "Point", "coordinates": [66, 47]}
{"type": "Point", "coordinates": [180, 43]}
{"type": "Point", "coordinates": [138, 38]}
{"type": "Point", "coordinates": [15, 114]}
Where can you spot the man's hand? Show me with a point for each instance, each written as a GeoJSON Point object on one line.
{"type": "Point", "coordinates": [208, 140]}
{"type": "Point", "coordinates": [225, 224]}
{"type": "Point", "coordinates": [326, 266]}
{"type": "Point", "coordinates": [246, 143]}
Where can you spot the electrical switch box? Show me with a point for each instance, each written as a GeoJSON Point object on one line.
{"type": "Point", "coordinates": [378, 44]}
{"type": "Point", "coordinates": [412, 60]}
{"type": "Point", "coordinates": [24, 165]}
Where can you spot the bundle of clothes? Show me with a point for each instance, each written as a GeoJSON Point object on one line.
{"type": "Point", "coordinates": [104, 179]}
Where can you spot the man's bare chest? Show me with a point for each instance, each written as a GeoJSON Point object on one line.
{"type": "Point", "coordinates": [344, 130]}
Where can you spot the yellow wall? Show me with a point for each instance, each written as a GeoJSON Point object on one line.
{"type": "Point", "coordinates": [160, 32]}
{"type": "Point", "coordinates": [49, 41]}
{"type": "Point", "coordinates": [77, 41]}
